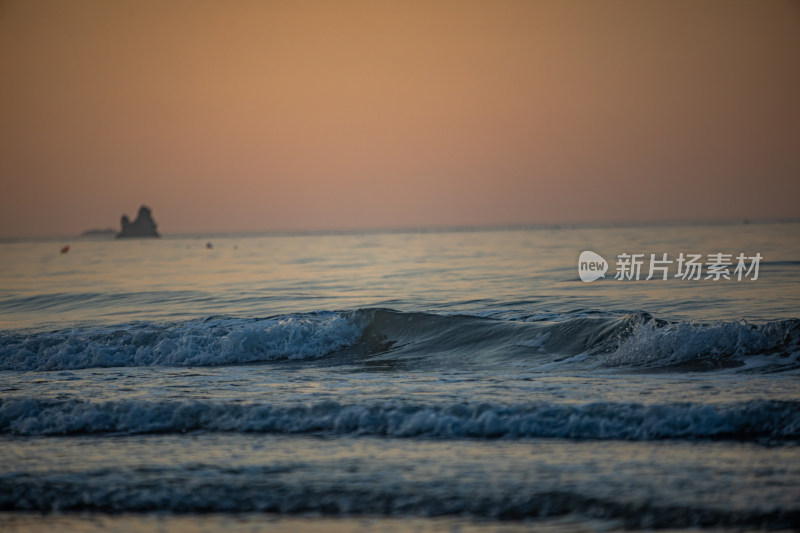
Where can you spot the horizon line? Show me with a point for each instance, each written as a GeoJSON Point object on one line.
{"type": "Point", "coordinates": [434, 228]}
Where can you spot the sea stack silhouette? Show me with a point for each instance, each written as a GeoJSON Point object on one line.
{"type": "Point", "coordinates": [143, 226]}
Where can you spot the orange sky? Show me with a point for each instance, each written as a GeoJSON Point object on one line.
{"type": "Point", "coordinates": [257, 115]}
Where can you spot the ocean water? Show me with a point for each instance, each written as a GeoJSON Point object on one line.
{"type": "Point", "coordinates": [401, 381]}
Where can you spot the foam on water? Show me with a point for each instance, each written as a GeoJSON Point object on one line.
{"type": "Point", "coordinates": [417, 340]}
{"type": "Point", "coordinates": [196, 343]}
{"type": "Point", "coordinates": [755, 419]}
{"type": "Point", "coordinates": [657, 345]}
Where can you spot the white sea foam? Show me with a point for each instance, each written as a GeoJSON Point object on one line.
{"type": "Point", "coordinates": [651, 344]}
{"type": "Point", "coordinates": [214, 342]}
{"type": "Point", "coordinates": [634, 340]}
{"type": "Point", "coordinates": [617, 421]}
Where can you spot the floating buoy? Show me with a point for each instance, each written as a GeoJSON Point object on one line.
{"type": "Point", "coordinates": [65, 249]}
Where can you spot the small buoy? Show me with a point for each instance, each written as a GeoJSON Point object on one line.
{"type": "Point", "coordinates": [65, 249]}
{"type": "Point", "coordinates": [209, 245]}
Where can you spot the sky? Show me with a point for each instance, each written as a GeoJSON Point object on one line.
{"type": "Point", "coordinates": [227, 116]}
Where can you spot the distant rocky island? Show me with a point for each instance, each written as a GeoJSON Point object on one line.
{"type": "Point", "coordinates": [143, 226]}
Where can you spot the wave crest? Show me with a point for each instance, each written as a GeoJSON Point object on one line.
{"type": "Point", "coordinates": [694, 346]}
{"type": "Point", "coordinates": [757, 419]}
{"type": "Point", "coordinates": [196, 343]}
{"type": "Point", "coordinates": [387, 339]}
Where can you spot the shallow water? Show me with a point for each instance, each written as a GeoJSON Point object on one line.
{"type": "Point", "coordinates": [377, 380]}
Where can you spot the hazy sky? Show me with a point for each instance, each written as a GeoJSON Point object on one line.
{"type": "Point", "coordinates": [259, 115]}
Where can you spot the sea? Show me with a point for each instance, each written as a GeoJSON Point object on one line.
{"type": "Point", "coordinates": [458, 379]}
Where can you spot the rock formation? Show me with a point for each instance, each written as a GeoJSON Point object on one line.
{"type": "Point", "coordinates": [143, 226]}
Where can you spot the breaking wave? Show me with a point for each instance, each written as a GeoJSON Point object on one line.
{"type": "Point", "coordinates": [214, 341]}
{"type": "Point", "coordinates": [756, 419]}
{"type": "Point", "coordinates": [417, 340]}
